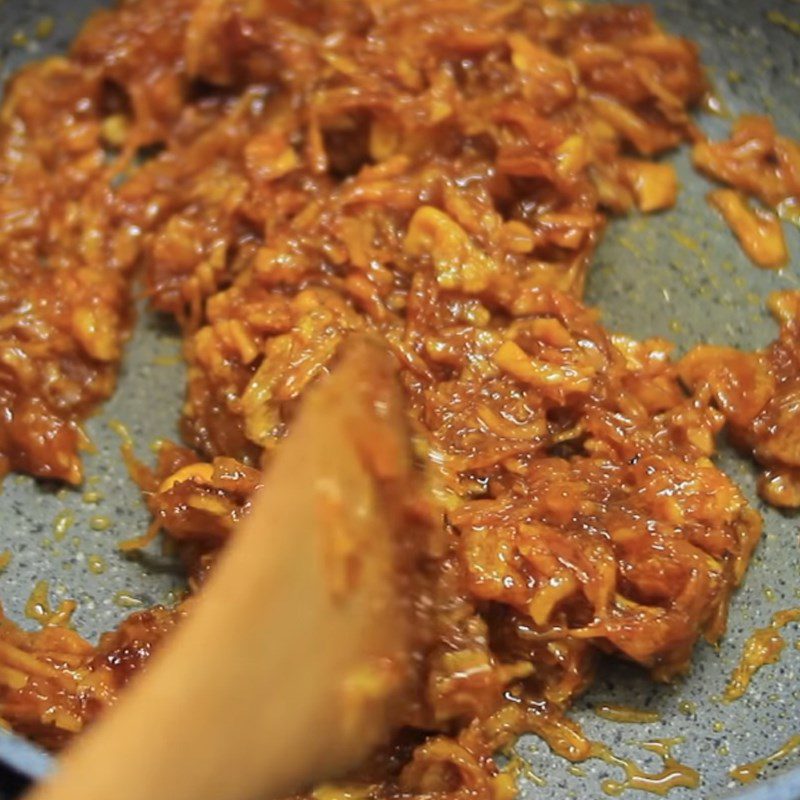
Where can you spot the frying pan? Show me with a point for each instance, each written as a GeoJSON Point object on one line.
{"type": "Point", "coordinates": [679, 275]}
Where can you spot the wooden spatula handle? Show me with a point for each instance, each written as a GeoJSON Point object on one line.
{"type": "Point", "coordinates": [288, 667]}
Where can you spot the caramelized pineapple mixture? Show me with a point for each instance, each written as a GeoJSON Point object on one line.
{"type": "Point", "coordinates": [437, 173]}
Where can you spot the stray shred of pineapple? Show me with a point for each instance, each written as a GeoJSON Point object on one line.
{"type": "Point", "coordinates": [758, 231]}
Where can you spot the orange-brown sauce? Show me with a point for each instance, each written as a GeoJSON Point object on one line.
{"type": "Point", "coordinates": [38, 606]}
{"type": "Point", "coordinates": [763, 646]}
{"type": "Point", "coordinates": [746, 773]}
{"type": "Point", "coordinates": [617, 713]}
{"type": "Point", "coordinates": [672, 775]}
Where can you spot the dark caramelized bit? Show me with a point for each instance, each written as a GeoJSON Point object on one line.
{"type": "Point", "coordinates": [53, 682]}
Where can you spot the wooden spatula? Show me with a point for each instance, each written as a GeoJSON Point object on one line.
{"type": "Point", "coordinates": [298, 653]}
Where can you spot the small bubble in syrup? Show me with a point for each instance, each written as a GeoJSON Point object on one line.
{"type": "Point", "coordinates": [577, 771]}
{"type": "Point", "coordinates": [100, 523]}
{"type": "Point", "coordinates": [62, 522]}
{"type": "Point", "coordinates": [127, 600]}
{"type": "Point", "coordinates": [96, 564]}
{"type": "Point", "coordinates": [687, 707]}
{"type": "Point", "coordinates": [45, 27]}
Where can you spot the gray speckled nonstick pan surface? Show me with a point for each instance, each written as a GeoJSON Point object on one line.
{"type": "Point", "coordinates": [678, 275]}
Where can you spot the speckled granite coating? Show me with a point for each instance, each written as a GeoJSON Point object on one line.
{"type": "Point", "coordinates": [678, 275]}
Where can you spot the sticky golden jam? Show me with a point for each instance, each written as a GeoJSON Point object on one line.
{"type": "Point", "coordinates": [438, 175]}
